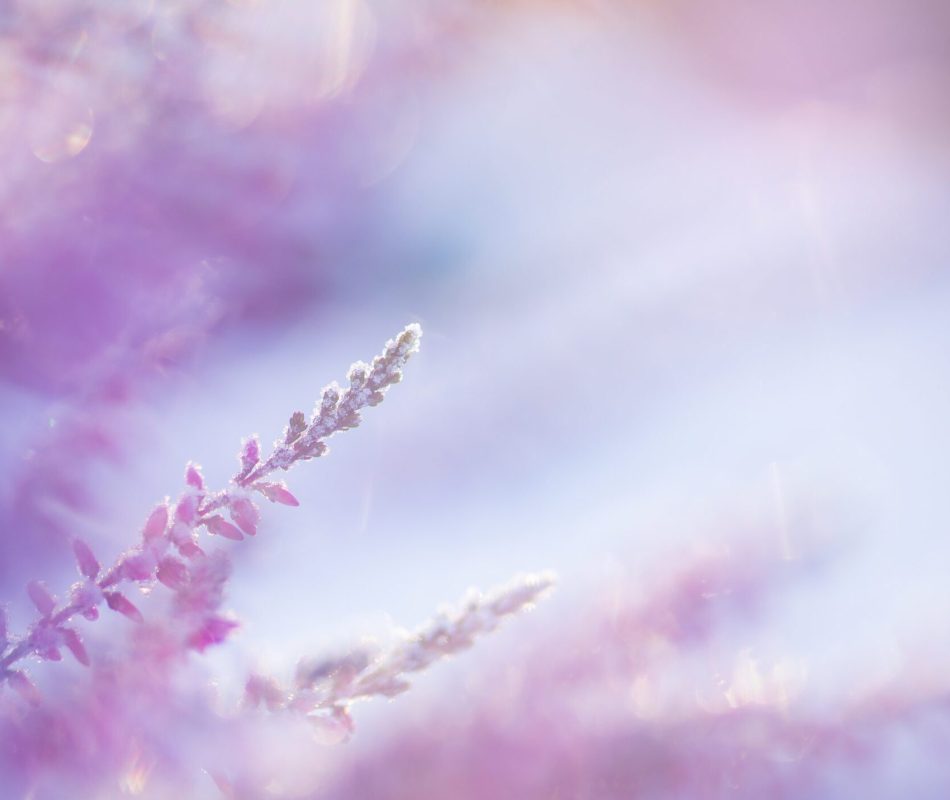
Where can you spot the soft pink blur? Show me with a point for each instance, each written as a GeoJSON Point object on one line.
{"type": "Point", "coordinates": [671, 257]}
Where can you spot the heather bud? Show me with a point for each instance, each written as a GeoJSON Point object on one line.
{"type": "Point", "coordinates": [250, 455]}
{"type": "Point", "coordinates": [245, 514]}
{"type": "Point", "coordinates": [221, 527]}
{"type": "Point", "coordinates": [277, 493]}
{"type": "Point", "coordinates": [186, 509]}
{"type": "Point", "coordinates": [193, 477]}
{"type": "Point", "coordinates": [88, 565]}
{"type": "Point", "coordinates": [172, 572]}
{"type": "Point", "coordinates": [213, 630]}
{"type": "Point", "coordinates": [74, 644]}
{"type": "Point", "coordinates": [156, 523]}
{"type": "Point", "coordinates": [296, 426]}
{"type": "Point", "coordinates": [119, 602]}
{"type": "Point", "coordinates": [41, 597]}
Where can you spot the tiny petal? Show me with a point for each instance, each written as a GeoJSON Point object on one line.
{"type": "Point", "coordinates": [296, 426]}
{"type": "Point", "coordinates": [41, 597]}
{"type": "Point", "coordinates": [91, 613]}
{"type": "Point", "coordinates": [190, 550]}
{"type": "Point", "coordinates": [260, 689]}
{"type": "Point", "coordinates": [120, 603]}
{"type": "Point", "coordinates": [180, 533]}
{"type": "Point", "coordinates": [329, 398]}
{"type": "Point", "coordinates": [74, 643]}
{"type": "Point", "coordinates": [221, 527]}
{"type": "Point", "coordinates": [246, 515]}
{"type": "Point", "coordinates": [214, 630]}
{"type": "Point", "coordinates": [24, 686]}
{"type": "Point", "coordinates": [156, 523]}
{"type": "Point", "coordinates": [88, 565]}
{"type": "Point", "coordinates": [186, 509]}
{"type": "Point", "coordinates": [193, 477]}
{"type": "Point", "coordinates": [358, 374]}
{"type": "Point", "coordinates": [250, 454]}
{"type": "Point", "coordinates": [138, 566]}
{"type": "Point", "coordinates": [277, 493]}
{"type": "Point", "coordinates": [172, 572]}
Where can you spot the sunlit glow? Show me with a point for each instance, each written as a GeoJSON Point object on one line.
{"type": "Point", "coordinates": [63, 136]}
{"type": "Point", "coordinates": [752, 684]}
{"type": "Point", "coordinates": [135, 779]}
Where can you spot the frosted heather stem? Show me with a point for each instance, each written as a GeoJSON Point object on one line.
{"type": "Point", "coordinates": [337, 410]}
{"type": "Point", "coordinates": [169, 551]}
{"type": "Point", "coordinates": [325, 688]}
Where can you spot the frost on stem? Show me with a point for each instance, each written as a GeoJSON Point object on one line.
{"type": "Point", "coordinates": [169, 551]}
{"type": "Point", "coordinates": [325, 688]}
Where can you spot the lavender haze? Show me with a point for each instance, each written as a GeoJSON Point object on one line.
{"type": "Point", "coordinates": [682, 271]}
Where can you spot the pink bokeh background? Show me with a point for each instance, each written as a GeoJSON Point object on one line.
{"type": "Point", "coordinates": [682, 272]}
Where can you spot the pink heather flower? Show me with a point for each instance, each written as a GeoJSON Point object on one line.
{"type": "Point", "coordinates": [172, 572]}
{"type": "Point", "coordinates": [72, 641]}
{"type": "Point", "coordinates": [156, 523]}
{"type": "Point", "coordinates": [615, 703]}
{"type": "Point", "coordinates": [133, 710]}
{"type": "Point", "coordinates": [119, 602]}
{"type": "Point", "coordinates": [250, 455]}
{"type": "Point", "coordinates": [221, 527]}
{"type": "Point", "coordinates": [186, 509]}
{"type": "Point", "coordinates": [138, 566]}
{"type": "Point", "coordinates": [42, 599]}
{"type": "Point", "coordinates": [245, 514]}
{"type": "Point", "coordinates": [213, 630]}
{"type": "Point", "coordinates": [194, 479]}
{"type": "Point", "coordinates": [277, 493]}
{"type": "Point", "coordinates": [88, 565]}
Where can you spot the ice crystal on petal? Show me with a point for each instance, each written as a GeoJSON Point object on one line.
{"type": "Point", "coordinates": [138, 566]}
{"type": "Point", "coordinates": [296, 426]}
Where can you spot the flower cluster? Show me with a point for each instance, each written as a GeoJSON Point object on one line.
{"type": "Point", "coordinates": [171, 552]}
{"type": "Point", "coordinates": [324, 688]}
{"type": "Point", "coordinates": [649, 692]}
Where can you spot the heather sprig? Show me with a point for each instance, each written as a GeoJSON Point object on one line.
{"type": "Point", "coordinates": [325, 688]}
{"type": "Point", "coordinates": [169, 551]}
